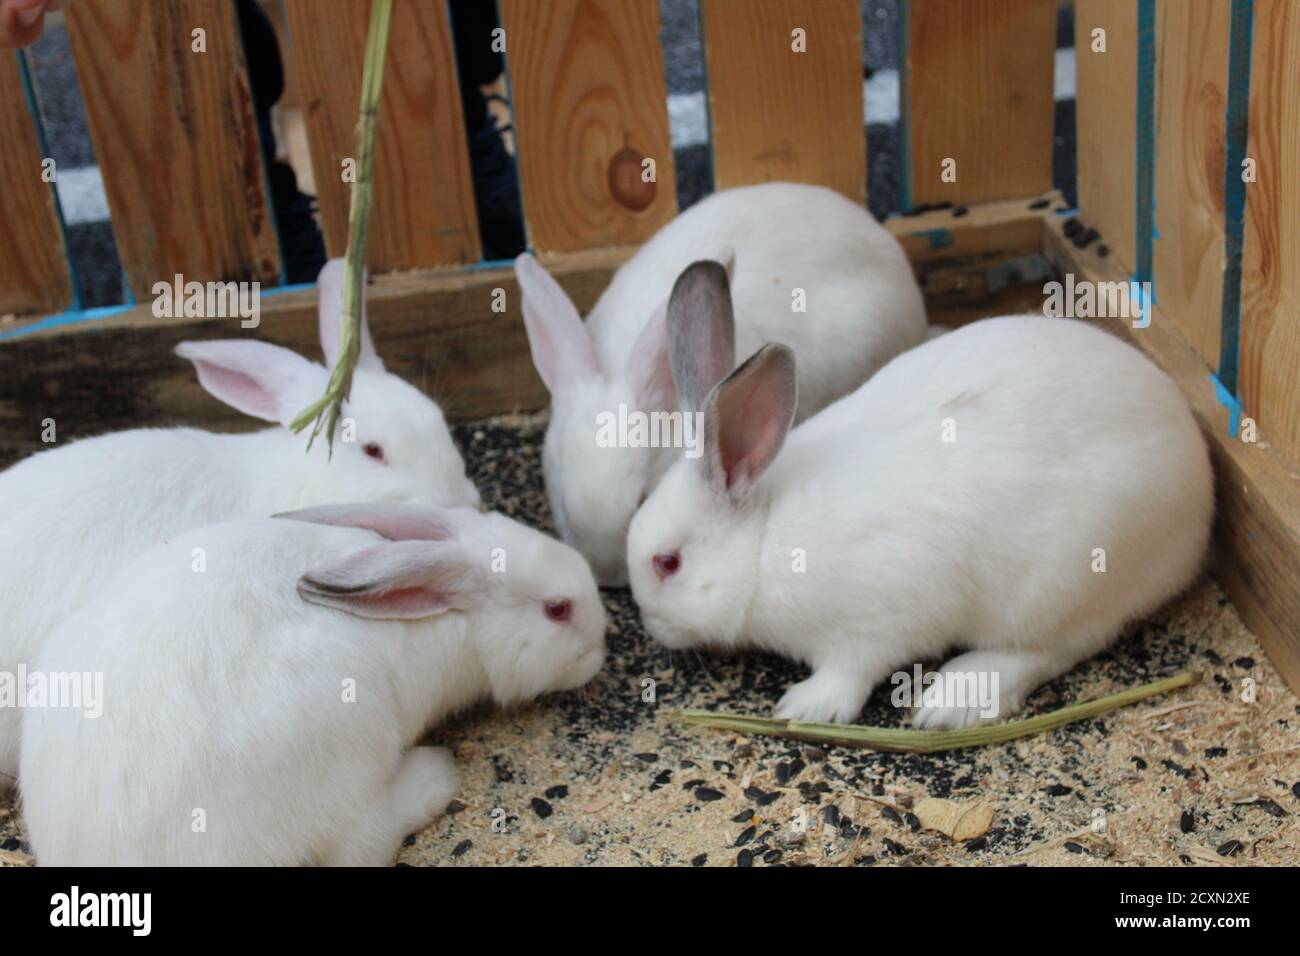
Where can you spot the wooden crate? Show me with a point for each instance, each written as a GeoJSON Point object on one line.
{"type": "Point", "coordinates": [1165, 116]}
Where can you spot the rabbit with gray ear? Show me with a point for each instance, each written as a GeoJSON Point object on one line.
{"type": "Point", "coordinates": [786, 245]}
{"type": "Point", "coordinates": [277, 696]}
{"type": "Point", "coordinates": [89, 506]}
{"type": "Point", "coordinates": [960, 497]}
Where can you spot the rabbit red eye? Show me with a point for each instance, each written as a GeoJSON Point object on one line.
{"type": "Point", "coordinates": [666, 565]}
{"type": "Point", "coordinates": [374, 451]}
{"type": "Point", "coordinates": [559, 611]}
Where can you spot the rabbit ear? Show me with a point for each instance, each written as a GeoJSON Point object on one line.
{"type": "Point", "coordinates": [396, 579]}
{"type": "Point", "coordinates": [396, 522]}
{"type": "Point", "coordinates": [747, 417]}
{"type": "Point", "coordinates": [330, 284]}
{"type": "Point", "coordinates": [648, 368]}
{"type": "Point", "coordinates": [562, 350]}
{"type": "Point", "coordinates": [701, 331]}
{"type": "Point", "coordinates": [257, 378]}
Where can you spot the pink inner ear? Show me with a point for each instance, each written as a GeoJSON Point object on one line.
{"type": "Point", "coordinates": [396, 522]}
{"type": "Point", "coordinates": [402, 602]}
{"type": "Point", "coordinates": [752, 413]}
{"type": "Point", "coordinates": [238, 390]}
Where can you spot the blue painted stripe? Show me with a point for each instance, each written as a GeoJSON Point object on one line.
{"type": "Point", "coordinates": [1145, 160]}
{"type": "Point", "coordinates": [76, 316]}
{"type": "Point", "coordinates": [1237, 123]}
{"type": "Point", "coordinates": [1229, 401]}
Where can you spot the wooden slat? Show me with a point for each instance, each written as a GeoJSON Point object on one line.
{"type": "Point", "coordinates": [1106, 120]}
{"type": "Point", "coordinates": [437, 330]}
{"type": "Point", "coordinates": [967, 265]}
{"type": "Point", "coordinates": [977, 88]}
{"type": "Point", "coordinates": [1257, 528]}
{"type": "Point", "coordinates": [1270, 287]}
{"type": "Point", "coordinates": [587, 82]}
{"type": "Point", "coordinates": [424, 195]}
{"type": "Point", "coordinates": [176, 139]}
{"type": "Point", "coordinates": [1191, 96]}
{"type": "Point", "coordinates": [778, 114]}
{"type": "Point", "coordinates": [33, 262]}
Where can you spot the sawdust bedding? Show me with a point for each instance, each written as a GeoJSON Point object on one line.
{"type": "Point", "coordinates": [1207, 776]}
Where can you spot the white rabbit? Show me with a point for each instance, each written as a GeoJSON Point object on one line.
{"type": "Point", "coordinates": [277, 695]}
{"type": "Point", "coordinates": [959, 497]}
{"type": "Point", "coordinates": [863, 308]}
{"type": "Point", "coordinates": [79, 511]}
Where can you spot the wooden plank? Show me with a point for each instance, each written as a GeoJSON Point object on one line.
{"type": "Point", "coordinates": [176, 138]}
{"type": "Point", "coordinates": [34, 273]}
{"type": "Point", "coordinates": [436, 330]}
{"type": "Point", "coordinates": [977, 89]}
{"type": "Point", "coordinates": [1191, 98]}
{"type": "Point", "coordinates": [1257, 528]}
{"type": "Point", "coordinates": [1270, 287]}
{"type": "Point", "coordinates": [1106, 120]}
{"type": "Point", "coordinates": [781, 113]}
{"type": "Point", "coordinates": [981, 263]}
{"type": "Point", "coordinates": [424, 194]}
{"type": "Point", "coordinates": [591, 105]}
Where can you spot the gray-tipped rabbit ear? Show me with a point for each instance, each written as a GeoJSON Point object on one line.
{"type": "Point", "coordinates": [747, 417]}
{"type": "Point", "coordinates": [396, 522]}
{"type": "Point", "coordinates": [330, 285]}
{"type": "Point", "coordinates": [701, 331]}
{"type": "Point", "coordinates": [562, 349]}
{"type": "Point", "coordinates": [396, 580]}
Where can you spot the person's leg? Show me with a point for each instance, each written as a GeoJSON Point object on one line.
{"type": "Point", "coordinates": [496, 183]}
{"type": "Point", "coordinates": [301, 242]}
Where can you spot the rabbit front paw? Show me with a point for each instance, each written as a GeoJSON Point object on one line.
{"type": "Point", "coordinates": [826, 697]}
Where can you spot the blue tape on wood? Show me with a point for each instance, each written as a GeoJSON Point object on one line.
{"type": "Point", "coordinates": [1237, 128]}
{"type": "Point", "coordinates": [1229, 401]}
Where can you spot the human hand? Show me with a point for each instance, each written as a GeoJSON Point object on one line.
{"type": "Point", "coordinates": [21, 21]}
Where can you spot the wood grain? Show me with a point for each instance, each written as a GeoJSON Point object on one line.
{"type": "Point", "coordinates": [176, 139]}
{"type": "Point", "coordinates": [34, 273]}
{"type": "Point", "coordinates": [778, 114]}
{"type": "Point", "coordinates": [590, 102]}
{"type": "Point", "coordinates": [1191, 99]}
{"type": "Point", "coordinates": [1270, 286]}
{"type": "Point", "coordinates": [977, 88]}
{"type": "Point", "coordinates": [1106, 121]}
{"type": "Point", "coordinates": [435, 329]}
{"type": "Point", "coordinates": [1257, 494]}
{"type": "Point", "coordinates": [424, 212]}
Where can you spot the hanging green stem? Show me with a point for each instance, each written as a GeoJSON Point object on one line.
{"type": "Point", "coordinates": [325, 411]}
{"type": "Point", "coordinates": [900, 740]}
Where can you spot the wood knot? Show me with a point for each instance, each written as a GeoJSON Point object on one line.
{"type": "Point", "coordinates": [626, 182]}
